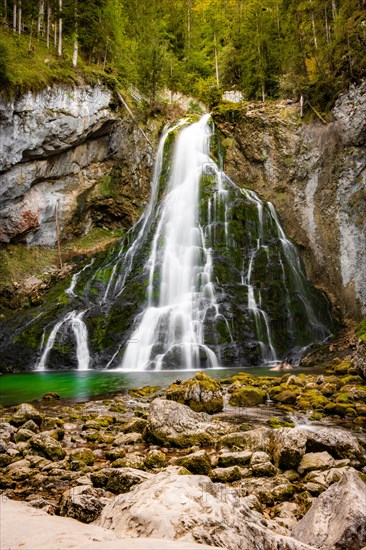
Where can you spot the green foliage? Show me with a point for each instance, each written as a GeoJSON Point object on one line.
{"type": "Point", "coordinates": [263, 48]}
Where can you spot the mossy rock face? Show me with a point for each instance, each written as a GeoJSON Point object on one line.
{"type": "Point", "coordinates": [135, 425]}
{"type": "Point", "coordinates": [361, 331]}
{"type": "Point", "coordinates": [229, 475]}
{"type": "Point", "coordinates": [287, 397]}
{"type": "Point", "coordinates": [280, 423]}
{"type": "Point", "coordinates": [51, 396]}
{"type": "Point", "coordinates": [155, 459]}
{"type": "Point", "coordinates": [146, 391]}
{"type": "Point", "coordinates": [201, 393]}
{"type": "Point", "coordinates": [247, 396]}
{"type": "Point", "coordinates": [45, 445]}
{"type": "Point", "coordinates": [115, 454]}
{"type": "Point", "coordinates": [196, 463]}
{"type": "Point", "coordinates": [82, 455]}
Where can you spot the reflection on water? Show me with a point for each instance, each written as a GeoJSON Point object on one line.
{"type": "Point", "coordinates": [81, 386]}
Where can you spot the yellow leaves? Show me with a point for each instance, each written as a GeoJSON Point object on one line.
{"type": "Point", "coordinates": [311, 68]}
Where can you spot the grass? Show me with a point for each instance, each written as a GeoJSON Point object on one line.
{"type": "Point", "coordinates": [31, 66]}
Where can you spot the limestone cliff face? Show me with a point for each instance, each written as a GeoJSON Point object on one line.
{"type": "Point", "coordinates": [316, 177]}
{"type": "Point", "coordinates": [68, 147]}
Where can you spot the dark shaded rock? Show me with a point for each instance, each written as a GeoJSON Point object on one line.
{"type": "Point", "coordinates": [83, 503]}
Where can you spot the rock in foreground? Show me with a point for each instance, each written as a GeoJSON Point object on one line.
{"type": "Point", "coordinates": [337, 519]}
{"type": "Point", "coordinates": [192, 508]}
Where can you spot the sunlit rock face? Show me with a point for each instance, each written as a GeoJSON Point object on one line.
{"type": "Point", "coordinates": [56, 148]}
{"type": "Point", "coordinates": [315, 175]}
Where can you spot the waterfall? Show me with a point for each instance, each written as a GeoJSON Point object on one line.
{"type": "Point", "coordinates": [74, 321]}
{"type": "Point", "coordinates": [206, 278]}
{"type": "Point", "coordinates": [171, 327]}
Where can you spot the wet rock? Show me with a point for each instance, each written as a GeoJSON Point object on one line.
{"type": "Point", "coordinates": [338, 443]}
{"type": "Point", "coordinates": [23, 435]}
{"type": "Point", "coordinates": [26, 412]}
{"type": "Point", "coordinates": [288, 446]}
{"type": "Point", "coordinates": [128, 439]}
{"type": "Point", "coordinates": [45, 445]}
{"type": "Point", "coordinates": [81, 457]}
{"type": "Point", "coordinates": [196, 463]}
{"type": "Point", "coordinates": [51, 396]}
{"type": "Point", "coordinates": [337, 519]}
{"type": "Point", "coordinates": [193, 509]}
{"type": "Point", "coordinates": [114, 454]}
{"type": "Point", "coordinates": [118, 480]}
{"type": "Point", "coordinates": [171, 423]}
{"type": "Point", "coordinates": [83, 503]}
{"type": "Point", "coordinates": [201, 393]}
{"type": "Point", "coordinates": [316, 461]}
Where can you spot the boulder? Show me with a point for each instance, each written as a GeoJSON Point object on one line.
{"type": "Point", "coordinates": [45, 445]}
{"type": "Point", "coordinates": [239, 458]}
{"type": "Point", "coordinates": [171, 423]}
{"type": "Point", "coordinates": [196, 463]}
{"type": "Point", "coordinates": [118, 480]}
{"type": "Point", "coordinates": [135, 425]}
{"type": "Point", "coordinates": [25, 412]}
{"type": "Point", "coordinates": [81, 457]}
{"type": "Point", "coordinates": [229, 474]}
{"type": "Point", "coordinates": [247, 396]}
{"type": "Point", "coordinates": [316, 461]}
{"type": "Point", "coordinates": [83, 503]}
{"type": "Point", "coordinates": [201, 393]}
{"type": "Point", "coordinates": [338, 443]}
{"type": "Point", "coordinates": [192, 508]}
{"type": "Point", "coordinates": [155, 459]}
{"type": "Point", "coordinates": [261, 465]}
{"type": "Point", "coordinates": [337, 518]}
{"type": "Point", "coordinates": [255, 440]}
{"type": "Point", "coordinates": [288, 446]}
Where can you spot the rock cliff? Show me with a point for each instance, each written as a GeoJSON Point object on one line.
{"type": "Point", "coordinates": [68, 148]}
{"type": "Point", "coordinates": [315, 175]}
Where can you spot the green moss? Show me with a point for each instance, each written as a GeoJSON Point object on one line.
{"type": "Point", "coordinates": [280, 423]}
{"type": "Point", "coordinates": [197, 463]}
{"type": "Point", "coordinates": [361, 330]}
{"type": "Point", "coordinates": [86, 456]}
{"type": "Point", "coordinates": [155, 459]}
{"type": "Point", "coordinates": [201, 393]}
{"type": "Point", "coordinates": [143, 392]}
{"type": "Point", "coordinates": [247, 396]}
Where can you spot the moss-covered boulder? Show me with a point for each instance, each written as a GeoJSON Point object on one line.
{"type": "Point", "coordinates": [135, 425]}
{"type": "Point", "coordinates": [288, 446]}
{"type": "Point", "coordinates": [146, 391]}
{"type": "Point", "coordinates": [247, 396]}
{"type": "Point", "coordinates": [196, 463]}
{"type": "Point", "coordinates": [46, 445]}
{"type": "Point", "coordinates": [155, 459]}
{"type": "Point", "coordinates": [229, 475]}
{"type": "Point", "coordinates": [25, 412]}
{"type": "Point", "coordinates": [201, 393]}
{"type": "Point", "coordinates": [82, 456]}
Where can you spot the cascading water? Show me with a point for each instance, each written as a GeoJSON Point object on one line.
{"type": "Point", "coordinates": [206, 278]}
{"type": "Point", "coordinates": [171, 327]}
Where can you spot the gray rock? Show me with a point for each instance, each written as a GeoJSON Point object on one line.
{"type": "Point", "coordinates": [239, 458]}
{"type": "Point", "coordinates": [171, 423]}
{"type": "Point", "coordinates": [316, 461]}
{"type": "Point", "coordinates": [26, 412]}
{"type": "Point", "coordinates": [255, 440]}
{"type": "Point", "coordinates": [83, 503]}
{"type": "Point", "coordinates": [337, 519]}
{"type": "Point", "coordinates": [338, 443]}
{"type": "Point", "coordinates": [288, 446]}
{"type": "Point", "coordinates": [192, 508]}
{"type": "Point", "coordinates": [45, 445]}
{"type": "Point", "coordinates": [119, 480]}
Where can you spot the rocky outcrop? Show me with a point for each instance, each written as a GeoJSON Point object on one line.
{"type": "Point", "coordinates": [316, 177]}
{"type": "Point", "coordinates": [63, 147]}
{"type": "Point", "coordinates": [191, 508]}
{"type": "Point", "coordinates": [337, 518]}
{"type": "Point", "coordinates": [174, 424]}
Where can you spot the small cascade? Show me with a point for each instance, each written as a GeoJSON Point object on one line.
{"type": "Point", "coordinates": [74, 321]}
{"type": "Point", "coordinates": [70, 290]}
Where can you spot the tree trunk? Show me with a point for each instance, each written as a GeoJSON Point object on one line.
{"type": "Point", "coordinates": [76, 44]}
{"type": "Point", "coordinates": [40, 17]}
{"type": "Point", "coordinates": [189, 27]}
{"type": "Point", "coordinates": [216, 64]}
{"type": "Point", "coordinates": [30, 37]}
{"type": "Point", "coordinates": [14, 16]}
{"type": "Point", "coordinates": [6, 10]}
{"type": "Point", "coordinates": [327, 29]}
{"type": "Point", "coordinates": [334, 9]}
{"type": "Point", "coordinates": [19, 16]}
{"type": "Point", "coordinates": [55, 34]}
{"type": "Point", "coordinates": [59, 51]}
{"type": "Point", "coordinates": [48, 25]}
{"type": "Point", "coordinates": [313, 26]}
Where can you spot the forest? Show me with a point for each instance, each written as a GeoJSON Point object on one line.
{"type": "Point", "coordinates": [262, 48]}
